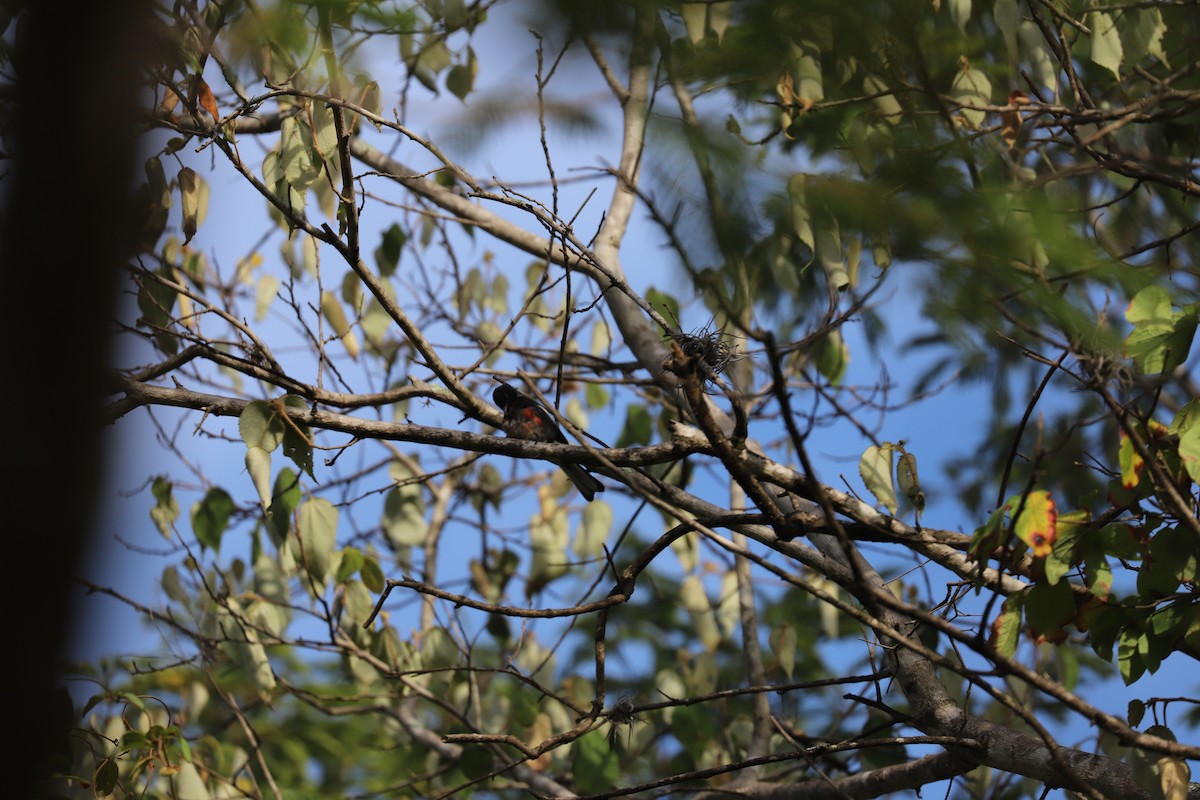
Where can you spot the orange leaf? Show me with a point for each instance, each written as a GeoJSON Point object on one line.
{"type": "Point", "coordinates": [1035, 526]}
{"type": "Point", "coordinates": [204, 97]}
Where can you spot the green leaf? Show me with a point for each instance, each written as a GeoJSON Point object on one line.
{"type": "Point", "coordinates": [910, 484]}
{"type": "Point", "coordinates": [106, 776]}
{"type": "Point", "coordinates": [594, 764]}
{"type": "Point", "coordinates": [801, 219]}
{"type": "Point", "coordinates": [156, 302]}
{"type": "Point", "coordinates": [728, 611]}
{"type": "Point", "coordinates": [476, 761]}
{"type": "Point", "coordinates": [260, 426]}
{"type": "Point", "coordinates": [335, 315]}
{"type": "Point", "coordinates": [1008, 21]}
{"type": "Point", "coordinates": [886, 104]}
{"type": "Point", "coordinates": [391, 245]}
{"type": "Point", "coordinates": [1006, 630]}
{"type": "Point", "coordinates": [524, 708]}
{"type": "Point", "coordinates": [1068, 528]}
{"type": "Point", "coordinates": [593, 529]}
{"type": "Point", "coordinates": [296, 437]}
{"type": "Point", "coordinates": [1048, 609]}
{"type": "Point", "coordinates": [404, 510]}
{"type": "Point", "coordinates": [358, 604]}
{"type": "Point", "coordinates": [971, 88]}
{"type": "Point", "coordinates": [243, 646]}
{"type": "Point", "coordinates": [317, 521]}
{"type": "Point", "coordinates": [664, 304]}
{"type": "Point", "coordinates": [1106, 42]}
{"type": "Point", "coordinates": [595, 396]}
{"type": "Point", "coordinates": [1189, 451]}
{"type": "Point", "coordinates": [637, 428]}
{"type": "Point", "coordinates": [833, 356]}
{"type": "Point", "coordinates": [156, 181]}
{"type": "Point", "coordinates": [1161, 337]}
{"type": "Point", "coordinates": [166, 509]}
{"type": "Point", "coordinates": [1135, 712]}
{"type": "Point", "coordinates": [265, 293]}
{"type": "Point", "coordinates": [352, 561]}
{"type": "Point", "coordinates": [372, 575]}
{"type": "Point", "coordinates": [960, 12]}
{"type": "Point", "coordinates": [694, 599]}
{"type": "Point", "coordinates": [783, 645]}
{"type": "Point", "coordinates": [284, 498]}
{"type": "Point", "coordinates": [875, 469]}
{"type": "Point", "coordinates": [258, 464]}
{"type": "Point", "coordinates": [695, 20]}
{"type": "Point", "coordinates": [548, 542]}
{"type": "Point", "coordinates": [297, 157]}
{"type": "Point", "coordinates": [827, 234]}
{"type": "Point", "coordinates": [808, 82]}
{"type": "Point", "coordinates": [461, 78]}
{"type": "Point", "coordinates": [210, 518]}
{"type": "Point", "coordinates": [1042, 64]}
{"type": "Point", "coordinates": [1142, 33]}
{"type": "Point", "coordinates": [1129, 660]}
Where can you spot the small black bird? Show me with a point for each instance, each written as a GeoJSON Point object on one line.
{"type": "Point", "coordinates": [525, 419]}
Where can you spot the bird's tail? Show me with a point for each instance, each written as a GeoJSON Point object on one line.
{"type": "Point", "coordinates": [584, 481]}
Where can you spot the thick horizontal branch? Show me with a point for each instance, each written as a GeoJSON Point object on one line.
{"type": "Point", "coordinates": [221, 406]}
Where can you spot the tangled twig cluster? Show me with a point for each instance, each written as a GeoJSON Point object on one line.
{"type": "Point", "coordinates": [713, 347]}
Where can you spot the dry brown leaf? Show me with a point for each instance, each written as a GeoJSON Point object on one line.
{"type": "Point", "coordinates": [204, 97]}
{"type": "Point", "coordinates": [1010, 121]}
{"type": "Point", "coordinates": [169, 101]}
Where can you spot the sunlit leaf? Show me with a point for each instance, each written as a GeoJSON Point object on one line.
{"type": "Point", "coordinates": [694, 599]}
{"type": "Point", "coordinates": [1106, 42]}
{"type": "Point", "coordinates": [593, 529]}
{"type": "Point", "coordinates": [875, 468]}
{"type": "Point", "coordinates": [886, 103]}
{"type": "Point", "coordinates": [193, 201]}
{"type": "Point", "coordinates": [960, 12]}
{"type": "Point", "coordinates": [316, 522]}
{"type": "Point", "coordinates": [783, 644]}
{"type": "Point", "coordinates": [258, 464]}
{"type": "Point", "coordinates": [729, 607]}
{"type": "Point", "coordinates": [1161, 337]}
{"type": "Point", "coordinates": [1035, 522]}
{"type": "Point", "coordinates": [335, 315]}
{"type": "Point", "coordinates": [971, 88]}
{"type": "Point", "coordinates": [1006, 629]}
{"type": "Point", "coordinates": [260, 426]}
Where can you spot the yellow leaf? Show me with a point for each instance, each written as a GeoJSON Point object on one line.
{"type": "Point", "coordinates": [1131, 463]}
{"type": "Point", "coordinates": [1035, 525]}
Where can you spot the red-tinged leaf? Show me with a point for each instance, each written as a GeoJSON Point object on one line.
{"type": "Point", "coordinates": [204, 97]}
{"type": "Point", "coordinates": [1035, 526]}
{"type": "Point", "coordinates": [1006, 629]}
{"type": "Point", "coordinates": [1099, 578]}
